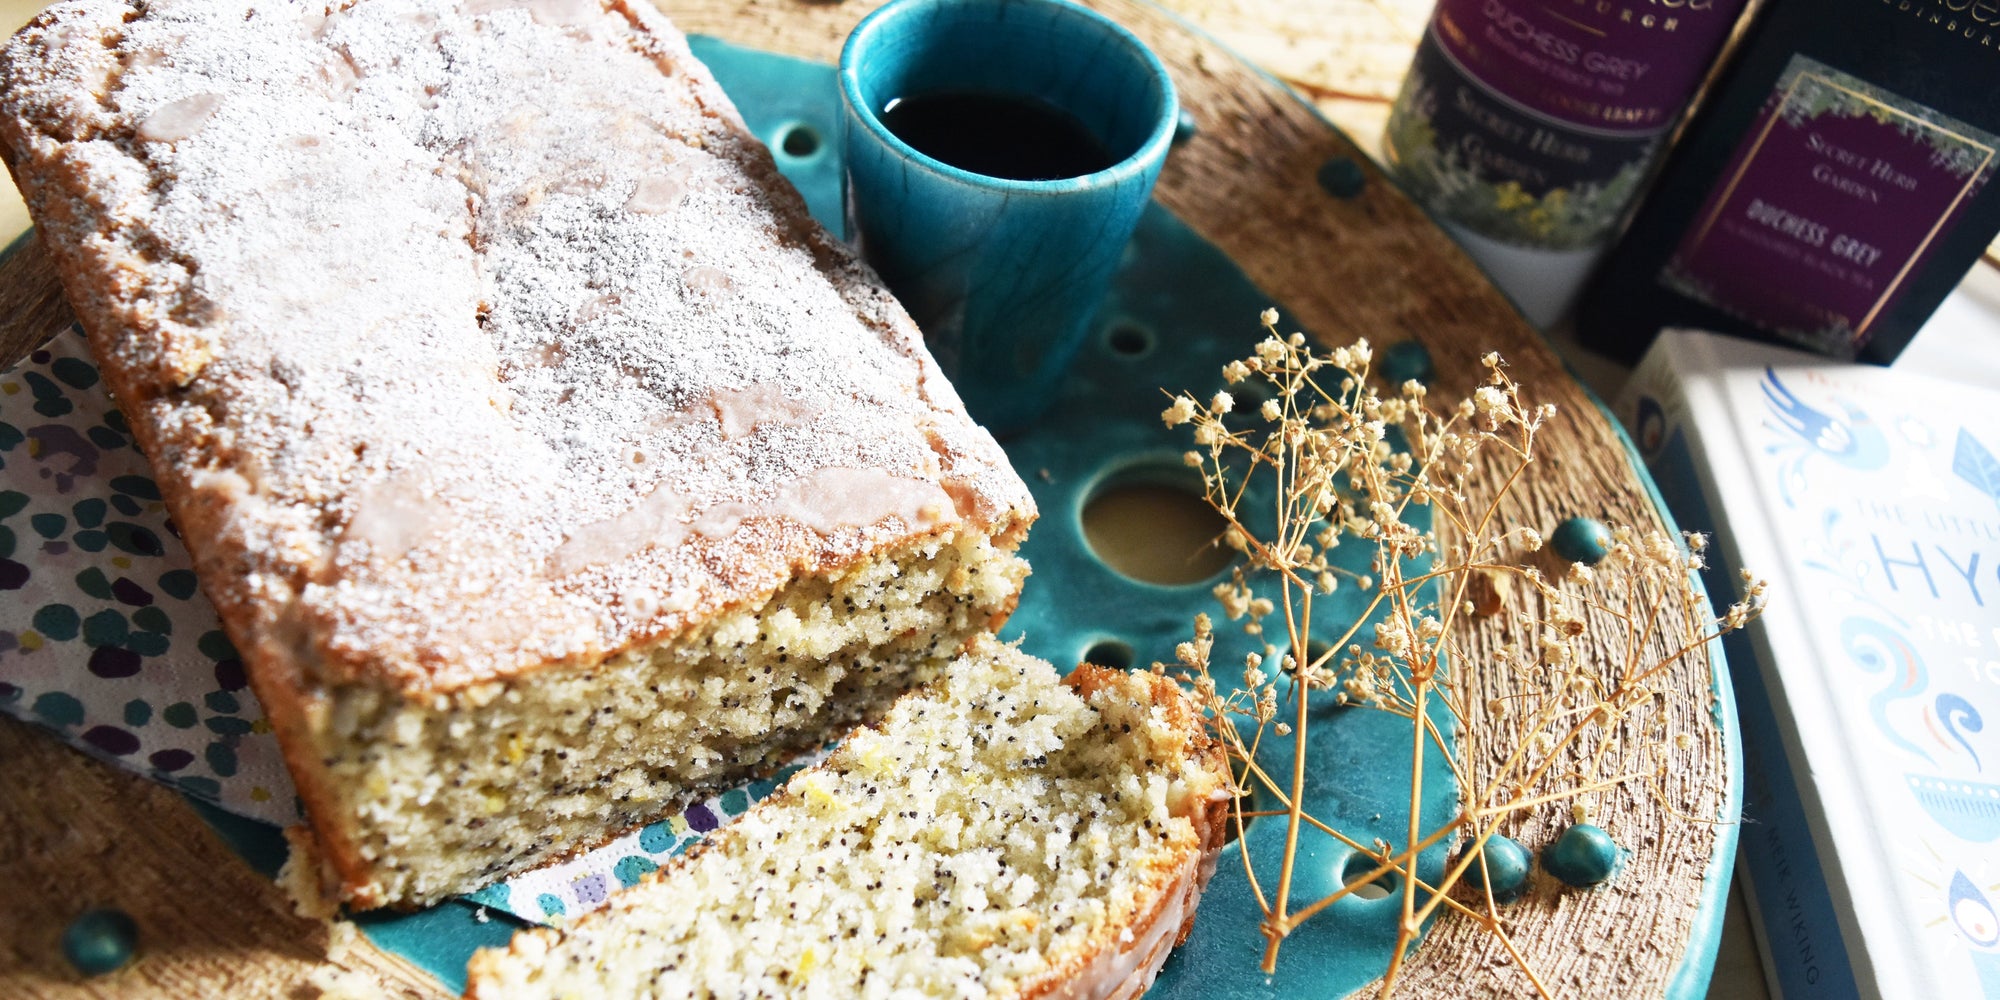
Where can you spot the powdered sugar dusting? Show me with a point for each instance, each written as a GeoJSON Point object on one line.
{"type": "Point", "coordinates": [498, 333]}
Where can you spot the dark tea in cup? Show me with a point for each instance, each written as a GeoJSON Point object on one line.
{"type": "Point", "coordinates": [1013, 136]}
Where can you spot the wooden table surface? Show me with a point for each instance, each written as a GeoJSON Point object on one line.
{"type": "Point", "coordinates": [230, 937]}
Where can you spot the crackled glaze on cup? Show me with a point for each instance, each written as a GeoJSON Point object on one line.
{"type": "Point", "coordinates": [1002, 275]}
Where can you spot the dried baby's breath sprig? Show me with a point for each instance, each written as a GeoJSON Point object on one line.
{"type": "Point", "coordinates": [1323, 459]}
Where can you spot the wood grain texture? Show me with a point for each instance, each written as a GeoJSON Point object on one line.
{"type": "Point", "coordinates": [1372, 266]}
{"type": "Point", "coordinates": [79, 835]}
{"type": "Point", "coordinates": [31, 300]}
{"type": "Point", "coordinates": [1346, 56]}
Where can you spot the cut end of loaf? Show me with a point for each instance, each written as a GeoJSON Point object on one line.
{"type": "Point", "coordinates": [1000, 833]}
{"type": "Point", "coordinates": [439, 797]}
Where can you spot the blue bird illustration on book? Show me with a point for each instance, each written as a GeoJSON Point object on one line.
{"type": "Point", "coordinates": [1850, 438]}
{"type": "Point", "coordinates": [1973, 914]}
{"type": "Point", "coordinates": [1958, 717]}
{"type": "Point", "coordinates": [1971, 462]}
{"type": "Point", "coordinates": [1878, 649]}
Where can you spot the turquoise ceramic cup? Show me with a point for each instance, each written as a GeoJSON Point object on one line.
{"type": "Point", "coordinates": [1002, 275]}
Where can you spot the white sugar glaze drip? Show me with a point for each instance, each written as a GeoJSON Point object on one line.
{"type": "Point", "coordinates": [654, 520]}
{"type": "Point", "coordinates": [744, 410]}
{"type": "Point", "coordinates": [656, 194]}
{"type": "Point", "coordinates": [712, 283]}
{"type": "Point", "coordinates": [180, 119]}
{"type": "Point", "coordinates": [554, 12]}
{"type": "Point", "coordinates": [525, 247]}
{"type": "Point", "coordinates": [828, 501]}
{"type": "Point", "coordinates": [393, 515]}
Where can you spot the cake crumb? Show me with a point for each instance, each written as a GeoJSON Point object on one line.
{"type": "Point", "coordinates": [341, 937]}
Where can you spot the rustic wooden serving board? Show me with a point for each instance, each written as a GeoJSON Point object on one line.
{"type": "Point", "coordinates": [76, 834]}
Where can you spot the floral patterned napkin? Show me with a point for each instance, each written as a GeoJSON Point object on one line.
{"type": "Point", "coordinates": [106, 641]}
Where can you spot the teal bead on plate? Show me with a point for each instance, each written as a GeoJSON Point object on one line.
{"type": "Point", "coordinates": [1582, 539]}
{"type": "Point", "coordinates": [1342, 178]}
{"type": "Point", "coordinates": [1583, 856]}
{"type": "Point", "coordinates": [1506, 872]}
{"type": "Point", "coordinates": [100, 941]}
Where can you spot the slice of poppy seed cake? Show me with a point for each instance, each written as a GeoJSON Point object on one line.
{"type": "Point", "coordinates": [1002, 833]}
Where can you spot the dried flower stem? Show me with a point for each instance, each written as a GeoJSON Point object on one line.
{"type": "Point", "coordinates": [1328, 446]}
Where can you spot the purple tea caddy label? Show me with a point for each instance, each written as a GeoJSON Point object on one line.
{"type": "Point", "coordinates": [1836, 194]}
{"type": "Point", "coordinates": [1534, 123]}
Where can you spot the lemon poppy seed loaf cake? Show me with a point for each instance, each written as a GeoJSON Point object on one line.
{"type": "Point", "coordinates": [546, 463]}
{"type": "Point", "coordinates": [1000, 834]}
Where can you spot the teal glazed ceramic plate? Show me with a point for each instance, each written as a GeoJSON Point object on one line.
{"type": "Point", "coordinates": [1178, 310]}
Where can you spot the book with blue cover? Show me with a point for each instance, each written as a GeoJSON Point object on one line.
{"type": "Point", "coordinates": [1870, 692]}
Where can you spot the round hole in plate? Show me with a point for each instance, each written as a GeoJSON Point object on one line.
{"type": "Point", "coordinates": [1150, 524]}
{"type": "Point", "coordinates": [1249, 397]}
{"type": "Point", "coordinates": [1029, 354]}
{"type": "Point", "coordinates": [1111, 653]}
{"type": "Point", "coordinates": [1129, 340]}
{"type": "Point", "coordinates": [1323, 701]}
{"type": "Point", "coordinates": [1356, 871]}
{"type": "Point", "coordinates": [799, 141]}
{"type": "Point", "coordinates": [1316, 648]}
